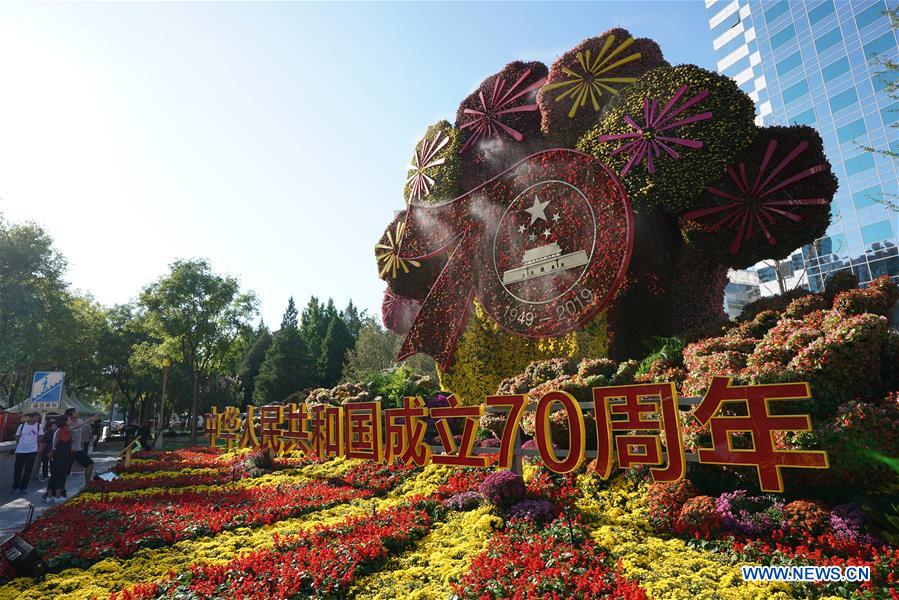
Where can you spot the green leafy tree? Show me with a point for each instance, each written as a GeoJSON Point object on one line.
{"type": "Point", "coordinates": [252, 362]}
{"type": "Point", "coordinates": [32, 299]}
{"type": "Point", "coordinates": [287, 367]}
{"type": "Point", "coordinates": [199, 316]}
{"type": "Point", "coordinates": [338, 340]}
{"type": "Point", "coordinates": [375, 351]}
{"type": "Point", "coordinates": [74, 347]}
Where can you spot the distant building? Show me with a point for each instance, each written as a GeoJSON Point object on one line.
{"type": "Point", "coordinates": [544, 260]}
{"type": "Point", "coordinates": [742, 288]}
{"type": "Point", "coordinates": [816, 63]}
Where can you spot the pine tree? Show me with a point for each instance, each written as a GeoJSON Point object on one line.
{"type": "Point", "coordinates": [314, 327]}
{"type": "Point", "coordinates": [338, 341]}
{"type": "Point", "coordinates": [353, 319]}
{"type": "Point", "coordinates": [252, 362]}
{"type": "Point", "coordinates": [287, 367]}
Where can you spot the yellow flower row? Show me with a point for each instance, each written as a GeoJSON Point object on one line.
{"type": "Point", "coordinates": [441, 558]}
{"type": "Point", "coordinates": [668, 569]}
{"type": "Point", "coordinates": [333, 468]}
{"type": "Point", "coordinates": [158, 474]}
{"type": "Point", "coordinates": [153, 565]}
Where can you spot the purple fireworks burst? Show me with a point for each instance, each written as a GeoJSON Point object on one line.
{"type": "Point", "coordinates": [647, 141]}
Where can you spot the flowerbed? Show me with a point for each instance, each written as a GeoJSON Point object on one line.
{"type": "Point", "coordinates": [205, 523]}
{"type": "Point", "coordinates": [121, 526]}
{"type": "Point", "coordinates": [476, 533]}
{"type": "Point", "coordinates": [320, 563]}
{"type": "Point", "coordinates": [557, 562]}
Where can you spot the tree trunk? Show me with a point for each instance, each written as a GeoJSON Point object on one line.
{"type": "Point", "coordinates": [193, 409]}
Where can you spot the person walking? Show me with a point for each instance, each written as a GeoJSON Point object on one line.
{"type": "Point", "coordinates": [144, 434]}
{"type": "Point", "coordinates": [61, 455]}
{"type": "Point", "coordinates": [80, 432]}
{"type": "Point", "coordinates": [28, 437]}
{"type": "Point", "coordinates": [95, 431]}
{"type": "Point", "coordinates": [46, 447]}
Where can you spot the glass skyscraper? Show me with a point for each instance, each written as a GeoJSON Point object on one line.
{"type": "Point", "coordinates": [816, 63]}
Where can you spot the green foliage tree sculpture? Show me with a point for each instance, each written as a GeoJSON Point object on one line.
{"type": "Point", "coordinates": [710, 190]}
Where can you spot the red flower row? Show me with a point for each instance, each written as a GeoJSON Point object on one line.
{"type": "Point", "coordinates": [557, 562]}
{"type": "Point", "coordinates": [122, 526]}
{"type": "Point", "coordinates": [193, 458]}
{"type": "Point", "coordinates": [831, 550]}
{"type": "Point", "coordinates": [322, 563]}
{"type": "Point", "coordinates": [377, 477]}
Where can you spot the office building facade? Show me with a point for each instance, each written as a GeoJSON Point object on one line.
{"type": "Point", "coordinates": [818, 63]}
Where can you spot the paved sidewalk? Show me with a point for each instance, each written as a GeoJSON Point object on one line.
{"type": "Point", "coordinates": [14, 508]}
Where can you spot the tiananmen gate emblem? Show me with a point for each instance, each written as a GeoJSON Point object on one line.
{"type": "Point", "coordinates": [542, 246]}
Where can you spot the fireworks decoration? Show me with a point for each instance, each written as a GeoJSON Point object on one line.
{"type": "Point", "coordinates": [647, 141]}
{"type": "Point", "coordinates": [755, 207]}
{"type": "Point", "coordinates": [592, 78]}
{"type": "Point", "coordinates": [485, 121]}
{"type": "Point", "coordinates": [419, 182]}
{"type": "Point", "coordinates": [388, 261]}
{"type": "Point", "coordinates": [398, 313]}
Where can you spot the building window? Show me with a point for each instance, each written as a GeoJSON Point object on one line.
{"type": "Point", "coordinates": [767, 274]}
{"type": "Point", "coordinates": [806, 117]}
{"type": "Point", "coordinates": [867, 197]}
{"type": "Point", "coordinates": [859, 163]}
{"type": "Point", "coordinates": [887, 266]}
{"type": "Point", "coordinates": [821, 11]}
{"type": "Point", "coordinates": [788, 64]}
{"type": "Point", "coordinates": [835, 69]}
{"type": "Point", "coordinates": [828, 39]}
{"type": "Point", "coordinates": [890, 114]}
{"type": "Point", "coordinates": [843, 99]}
{"type": "Point", "coordinates": [876, 232]}
{"type": "Point", "coordinates": [795, 91]}
{"type": "Point", "coordinates": [882, 80]}
{"type": "Point", "coordinates": [870, 14]}
{"type": "Point", "coordinates": [833, 244]}
{"type": "Point", "coordinates": [851, 131]}
{"type": "Point", "coordinates": [728, 22]}
{"type": "Point", "coordinates": [783, 36]}
{"type": "Point", "coordinates": [776, 9]}
{"type": "Point", "coordinates": [881, 45]}
{"type": "Point", "coordinates": [862, 273]}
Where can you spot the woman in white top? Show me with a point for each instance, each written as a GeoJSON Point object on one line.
{"type": "Point", "coordinates": [28, 437]}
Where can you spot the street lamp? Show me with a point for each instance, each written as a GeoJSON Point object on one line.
{"type": "Point", "coordinates": [165, 377]}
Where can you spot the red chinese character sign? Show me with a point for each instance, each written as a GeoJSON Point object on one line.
{"type": "Point", "coordinates": [637, 424]}
{"type": "Point", "coordinates": [543, 246]}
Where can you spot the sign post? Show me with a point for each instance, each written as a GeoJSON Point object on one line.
{"type": "Point", "coordinates": [46, 390]}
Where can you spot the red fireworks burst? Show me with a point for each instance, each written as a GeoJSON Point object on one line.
{"type": "Point", "coordinates": [486, 120]}
{"type": "Point", "coordinates": [755, 207]}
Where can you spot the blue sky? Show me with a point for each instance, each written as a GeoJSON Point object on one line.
{"type": "Point", "coordinates": [270, 138]}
